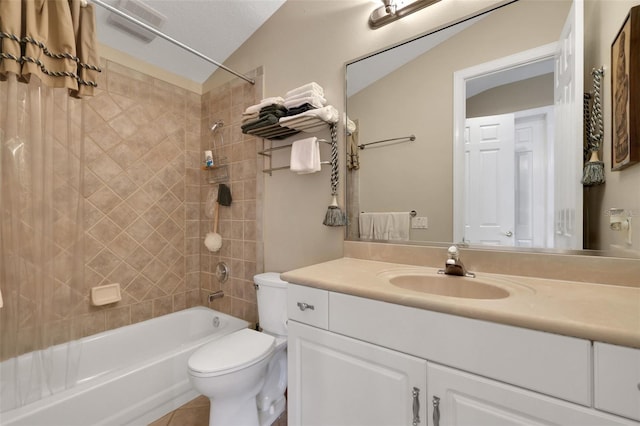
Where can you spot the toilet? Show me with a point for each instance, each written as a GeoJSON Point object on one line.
{"type": "Point", "coordinates": [244, 374]}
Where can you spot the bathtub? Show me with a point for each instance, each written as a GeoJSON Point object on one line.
{"type": "Point", "coordinates": [131, 375]}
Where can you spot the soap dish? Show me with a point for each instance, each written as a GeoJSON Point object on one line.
{"type": "Point", "coordinates": [105, 294]}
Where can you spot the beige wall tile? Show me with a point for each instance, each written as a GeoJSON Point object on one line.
{"type": "Point", "coordinates": [144, 194]}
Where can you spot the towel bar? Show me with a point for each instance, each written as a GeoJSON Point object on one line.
{"type": "Point", "coordinates": [265, 151]}
{"type": "Point", "coordinates": [273, 169]}
{"type": "Point", "coordinates": [412, 213]}
{"type": "Point", "coordinates": [409, 138]}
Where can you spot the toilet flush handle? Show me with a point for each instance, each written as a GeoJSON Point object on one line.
{"type": "Point", "coordinates": [304, 306]}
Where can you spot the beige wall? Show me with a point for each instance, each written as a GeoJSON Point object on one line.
{"type": "Point", "coordinates": [527, 94]}
{"type": "Point", "coordinates": [417, 99]}
{"type": "Point", "coordinates": [603, 19]}
{"type": "Point", "coordinates": [304, 41]}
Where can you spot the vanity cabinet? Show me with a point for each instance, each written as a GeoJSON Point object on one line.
{"type": "Point", "coordinates": [336, 380]}
{"type": "Point", "coordinates": [457, 398]}
{"type": "Point", "coordinates": [617, 379]}
{"type": "Point", "coordinates": [358, 361]}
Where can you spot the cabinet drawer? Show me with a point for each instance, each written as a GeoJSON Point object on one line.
{"type": "Point", "coordinates": [308, 305]}
{"type": "Point", "coordinates": [617, 379]}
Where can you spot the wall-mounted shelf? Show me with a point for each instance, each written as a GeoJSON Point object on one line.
{"type": "Point", "coordinates": [289, 126]}
{"type": "Point", "coordinates": [273, 131]}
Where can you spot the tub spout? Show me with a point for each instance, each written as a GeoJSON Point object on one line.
{"type": "Point", "coordinates": [216, 295]}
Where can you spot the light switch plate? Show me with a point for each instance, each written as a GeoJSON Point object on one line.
{"type": "Point", "coordinates": [419, 223]}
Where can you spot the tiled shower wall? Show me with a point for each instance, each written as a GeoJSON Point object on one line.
{"type": "Point", "coordinates": [136, 133]}
{"type": "Point", "coordinates": [144, 197]}
{"type": "Point", "coordinates": [239, 223]}
{"type": "Point", "coordinates": [143, 208]}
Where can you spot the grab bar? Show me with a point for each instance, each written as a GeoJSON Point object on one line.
{"type": "Point", "coordinates": [410, 137]}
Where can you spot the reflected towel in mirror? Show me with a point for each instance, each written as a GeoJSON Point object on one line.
{"type": "Point", "coordinates": [388, 226]}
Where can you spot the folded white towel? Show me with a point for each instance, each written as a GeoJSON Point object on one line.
{"type": "Point", "coordinates": [275, 100]}
{"type": "Point", "coordinates": [305, 87]}
{"type": "Point", "coordinates": [327, 114]}
{"type": "Point", "coordinates": [350, 125]}
{"type": "Point", "coordinates": [304, 94]}
{"type": "Point", "coordinates": [305, 156]}
{"type": "Point", "coordinates": [392, 226]}
{"type": "Point", "coordinates": [315, 101]}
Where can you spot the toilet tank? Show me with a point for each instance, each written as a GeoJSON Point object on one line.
{"type": "Point", "coordinates": [272, 303]}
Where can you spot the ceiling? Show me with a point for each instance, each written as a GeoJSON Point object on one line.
{"type": "Point", "coordinates": [215, 28]}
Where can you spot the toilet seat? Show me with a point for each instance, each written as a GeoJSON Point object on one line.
{"type": "Point", "coordinates": [230, 353]}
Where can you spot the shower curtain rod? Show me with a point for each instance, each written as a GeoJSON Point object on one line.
{"type": "Point", "coordinates": [169, 39]}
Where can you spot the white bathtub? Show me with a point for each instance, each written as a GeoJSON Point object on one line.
{"type": "Point", "coordinates": [131, 375]}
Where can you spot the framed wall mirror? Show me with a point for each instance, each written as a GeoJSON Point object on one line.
{"type": "Point", "coordinates": [496, 106]}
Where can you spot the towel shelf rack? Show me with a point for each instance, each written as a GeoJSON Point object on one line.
{"type": "Point", "coordinates": [404, 138]}
{"type": "Point", "coordinates": [288, 128]}
{"type": "Point", "coordinates": [266, 153]}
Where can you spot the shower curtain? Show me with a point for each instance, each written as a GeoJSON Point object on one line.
{"type": "Point", "coordinates": [47, 60]}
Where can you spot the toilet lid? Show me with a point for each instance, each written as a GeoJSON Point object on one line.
{"type": "Point", "coordinates": [231, 352]}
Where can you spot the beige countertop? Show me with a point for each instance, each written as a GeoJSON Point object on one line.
{"type": "Point", "coordinates": [599, 312]}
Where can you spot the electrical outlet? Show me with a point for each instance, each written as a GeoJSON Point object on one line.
{"type": "Point", "coordinates": [419, 223]}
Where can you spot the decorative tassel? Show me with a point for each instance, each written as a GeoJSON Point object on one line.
{"type": "Point", "coordinates": [335, 216]}
{"type": "Point", "coordinates": [593, 171]}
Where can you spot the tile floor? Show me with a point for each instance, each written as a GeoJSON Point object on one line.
{"type": "Point", "coordinates": [196, 413]}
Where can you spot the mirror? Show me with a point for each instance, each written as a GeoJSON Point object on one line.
{"type": "Point", "coordinates": [438, 88]}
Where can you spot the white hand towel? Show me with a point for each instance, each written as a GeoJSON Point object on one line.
{"type": "Point", "coordinates": [305, 156]}
{"type": "Point", "coordinates": [305, 87]}
{"type": "Point", "coordinates": [398, 227]}
{"type": "Point", "coordinates": [365, 220]}
{"type": "Point", "coordinates": [392, 226]}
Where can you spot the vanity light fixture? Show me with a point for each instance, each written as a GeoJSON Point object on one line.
{"type": "Point", "coordinates": [392, 10]}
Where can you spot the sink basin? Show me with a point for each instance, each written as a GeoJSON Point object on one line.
{"type": "Point", "coordinates": [446, 285]}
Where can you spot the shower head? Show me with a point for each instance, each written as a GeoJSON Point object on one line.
{"type": "Point", "coordinates": [216, 125]}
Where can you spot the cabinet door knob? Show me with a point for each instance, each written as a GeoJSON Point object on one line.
{"type": "Point", "coordinates": [416, 406]}
{"type": "Point", "coordinates": [304, 306]}
{"type": "Point", "coordinates": [436, 411]}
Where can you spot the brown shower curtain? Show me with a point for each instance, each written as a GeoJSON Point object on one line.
{"type": "Point", "coordinates": [45, 62]}
{"type": "Point", "coordinates": [51, 39]}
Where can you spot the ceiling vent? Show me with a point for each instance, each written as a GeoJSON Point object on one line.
{"type": "Point", "coordinates": [140, 11]}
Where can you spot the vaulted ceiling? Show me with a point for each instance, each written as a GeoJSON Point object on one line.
{"type": "Point", "coordinates": [215, 28]}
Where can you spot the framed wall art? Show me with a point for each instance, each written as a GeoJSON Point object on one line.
{"type": "Point", "coordinates": [625, 96]}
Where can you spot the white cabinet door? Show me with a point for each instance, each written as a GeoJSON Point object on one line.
{"type": "Point", "coordinates": [617, 379]}
{"type": "Point", "coordinates": [335, 380]}
{"type": "Point", "coordinates": [460, 399]}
